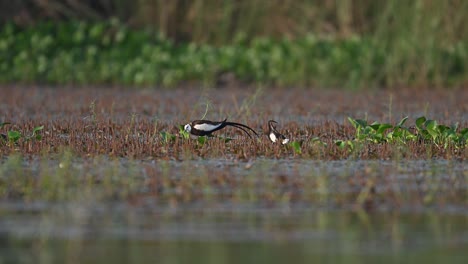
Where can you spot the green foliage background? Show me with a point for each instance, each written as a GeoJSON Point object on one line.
{"type": "Point", "coordinates": [345, 43]}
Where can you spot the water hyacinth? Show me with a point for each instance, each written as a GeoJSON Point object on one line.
{"type": "Point", "coordinates": [109, 53]}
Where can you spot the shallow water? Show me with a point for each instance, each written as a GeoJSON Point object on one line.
{"type": "Point", "coordinates": [418, 213]}
{"type": "Point", "coordinates": [246, 237]}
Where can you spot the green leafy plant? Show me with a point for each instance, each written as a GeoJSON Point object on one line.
{"type": "Point", "coordinates": [374, 132]}
{"type": "Point", "coordinates": [14, 136]}
{"type": "Point", "coordinates": [428, 131]}
{"type": "Point", "coordinates": [296, 146]}
{"type": "Point", "coordinates": [183, 133]}
{"type": "Point", "coordinates": [400, 133]}
{"type": "Point", "coordinates": [167, 137]}
{"type": "Point", "coordinates": [202, 140]}
{"type": "Point", "coordinates": [35, 133]}
{"type": "Point", "coordinates": [440, 135]}
{"type": "Point", "coordinates": [111, 53]}
{"type": "Point", "coordinates": [346, 144]}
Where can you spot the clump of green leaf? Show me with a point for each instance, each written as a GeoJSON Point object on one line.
{"type": "Point", "coordinates": [202, 140]}
{"type": "Point", "coordinates": [184, 134]}
{"type": "Point", "coordinates": [427, 130]}
{"type": "Point", "coordinates": [167, 137]}
{"type": "Point", "coordinates": [374, 132]}
{"type": "Point", "coordinates": [346, 144]}
{"type": "Point", "coordinates": [13, 136]}
{"type": "Point", "coordinates": [399, 133]}
{"type": "Point", "coordinates": [441, 135]}
{"type": "Point", "coordinates": [296, 146]}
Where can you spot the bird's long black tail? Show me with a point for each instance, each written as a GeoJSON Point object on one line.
{"type": "Point", "coordinates": [246, 132]}
{"type": "Point", "coordinates": [241, 127]}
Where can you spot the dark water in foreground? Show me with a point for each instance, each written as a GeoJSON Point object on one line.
{"type": "Point", "coordinates": [267, 236]}
{"type": "Point", "coordinates": [88, 231]}
{"type": "Point", "coordinates": [226, 237]}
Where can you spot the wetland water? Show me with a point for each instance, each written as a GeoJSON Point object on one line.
{"type": "Point", "coordinates": [224, 211]}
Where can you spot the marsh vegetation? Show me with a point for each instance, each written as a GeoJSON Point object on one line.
{"type": "Point", "coordinates": [96, 167]}
{"type": "Point", "coordinates": [341, 44]}
{"type": "Point", "coordinates": [111, 169]}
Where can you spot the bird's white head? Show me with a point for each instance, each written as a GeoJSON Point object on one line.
{"type": "Point", "coordinates": [187, 128]}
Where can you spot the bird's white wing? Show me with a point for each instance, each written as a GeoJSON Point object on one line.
{"type": "Point", "coordinates": [272, 137]}
{"type": "Point", "coordinates": [206, 127]}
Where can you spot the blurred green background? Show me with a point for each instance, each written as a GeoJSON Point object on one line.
{"type": "Point", "coordinates": [151, 43]}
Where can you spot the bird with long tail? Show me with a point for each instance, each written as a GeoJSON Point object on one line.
{"type": "Point", "coordinates": [206, 127]}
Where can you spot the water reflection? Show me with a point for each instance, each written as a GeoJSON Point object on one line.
{"type": "Point", "coordinates": [121, 234]}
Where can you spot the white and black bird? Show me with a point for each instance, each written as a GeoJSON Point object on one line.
{"type": "Point", "coordinates": [206, 127]}
{"type": "Point", "coordinates": [274, 135]}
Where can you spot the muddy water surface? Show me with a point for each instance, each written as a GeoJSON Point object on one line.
{"type": "Point", "coordinates": [217, 211]}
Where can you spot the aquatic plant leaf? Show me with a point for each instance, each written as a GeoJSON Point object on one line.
{"type": "Point", "coordinates": [183, 133]}
{"type": "Point", "coordinates": [464, 132]}
{"type": "Point", "coordinates": [402, 122]}
{"type": "Point", "coordinates": [464, 135]}
{"type": "Point", "coordinates": [296, 147]}
{"type": "Point", "coordinates": [375, 126]}
{"type": "Point", "coordinates": [37, 129]}
{"type": "Point", "coordinates": [357, 123]}
{"type": "Point", "coordinates": [431, 124]}
{"type": "Point", "coordinates": [419, 122]}
{"type": "Point", "coordinates": [443, 129]}
{"type": "Point", "coordinates": [362, 123]}
{"type": "Point", "coordinates": [340, 143]}
{"type": "Point", "coordinates": [368, 130]}
{"type": "Point", "coordinates": [14, 136]}
{"type": "Point", "coordinates": [167, 136]}
{"type": "Point", "coordinates": [383, 127]}
{"type": "Point", "coordinates": [202, 140]}
{"type": "Point", "coordinates": [35, 134]}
